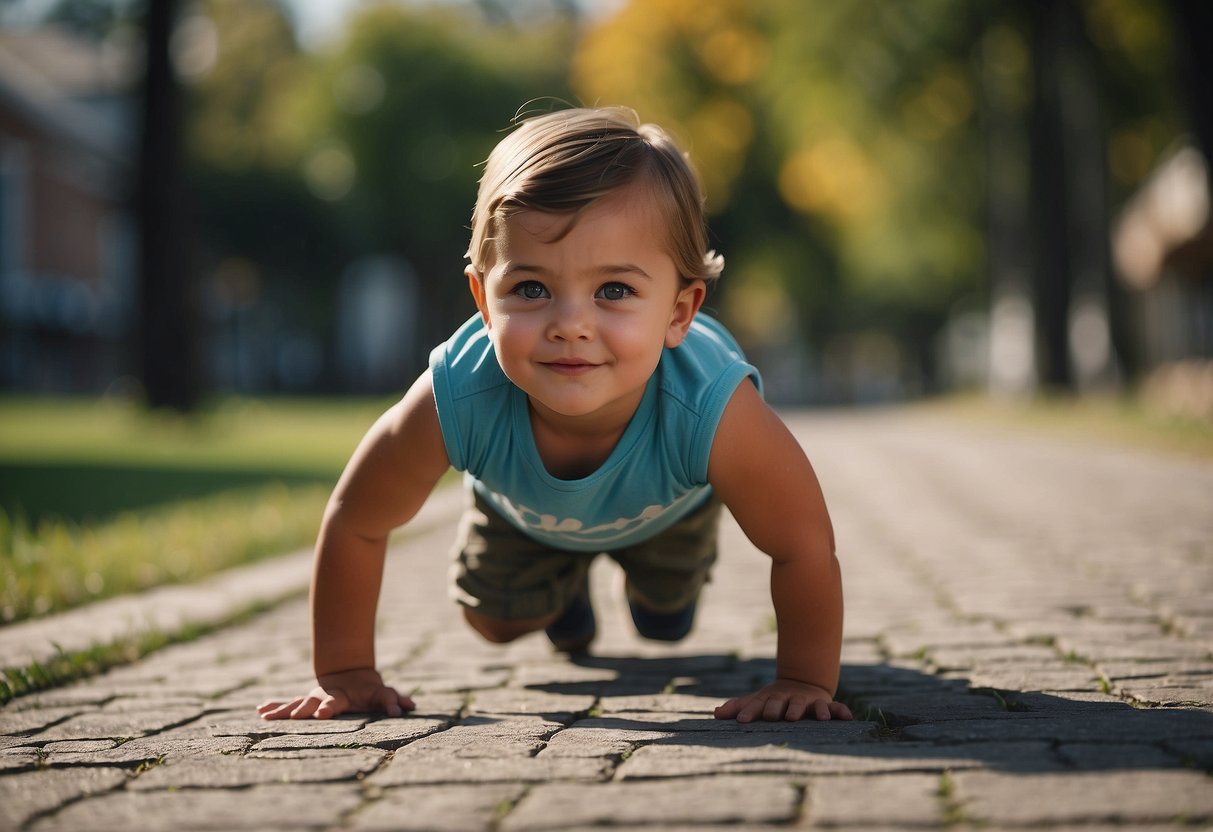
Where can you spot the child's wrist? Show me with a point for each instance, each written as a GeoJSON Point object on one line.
{"type": "Point", "coordinates": [807, 681]}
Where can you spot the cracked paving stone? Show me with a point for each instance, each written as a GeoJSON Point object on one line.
{"type": "Point", "coordinates": [13, 721]}
{"type": "Point", "coordinates": [261, 808]}
{"type": "Point", "coordinates": [1116, 671]}
{"type": "Point", "coordinates": [170, 746]}
{"type": "Point", "coordinates": [711, 800]}
{"type": "Point", "coordinates": [1129, 726]}
{"type": "Point", "coordinates": [673, 724]}
{"type": "Point", "coordinates": [1100, 756]}
{"type": "Point", "coordinates": [682, 703]}
{"type": "Point", "coordinates": [388, 734]}
{"type": "Point", "coordinates": [109, 725]}
{"type": "Point", "coordinates": [1114, 797]}
{"type": "Point", "coordinates": [481, 736]}
{"type": "Point", "coordinates": [935, 707]}
{"type": "Point", "coordinates": [23, 796]}
{"type": "Point", "coordinates": [1032, 678]}
{"type": "Point", "coordinates": [606, 743]}
{"type": "Point", "coordinates": [247, 724]}
{"type": "Point", "coordinates": [225, 772]}
{"type": "Point", "coordinates": [681, 757]}
{"type": "Point", "coordinates": [903, 800]}
{"type": "Point", "coordinates": [450, 808]}
{"type": "Point", "coordinates": [437, 767]}
{"type": "Point", "coordinates": [554, 707]}
{"type": "Point", "coordinates": [19, 759]}
{"type": "Point", "coordinates": [1169, 695]}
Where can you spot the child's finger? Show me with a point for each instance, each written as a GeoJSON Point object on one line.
{"type": "Point", "coordinates": [728, 710]}
{"type": "Point", "coordinates": [774, 708]}
{"type": "Point", "coordinates": [309, 707]}
{"type": "Point", "coordinates": [277, 710]}
{"type": "Point", "coordinates": [797, 708]}
{"type": "Point", "coordinates": [389, 701]}
{"type": "Point", "coordinates": [840, 711]}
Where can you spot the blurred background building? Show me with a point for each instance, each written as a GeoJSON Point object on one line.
{"type": "Point", "coordinates": [1010, 197]}
{"type": "Point", "coordinates": [67, 271]}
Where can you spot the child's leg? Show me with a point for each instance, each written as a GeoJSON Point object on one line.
{"type": "Point", "coordinates": [665, 574]}
{"type": "Point", "coordinates": [508, 584]}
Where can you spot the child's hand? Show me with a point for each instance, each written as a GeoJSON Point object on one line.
{"type": "Point", "coordinates": [356, 691]}
{"type": "Point", "coordinates": [784, 699]}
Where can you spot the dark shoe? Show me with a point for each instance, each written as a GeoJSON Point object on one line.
{"type": "Point", "coordinates": [663, 626]}
{"type": "Point", "coordinates": [576, 627]}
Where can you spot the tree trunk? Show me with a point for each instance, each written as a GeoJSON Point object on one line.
{"type": "Point", "coordinates": [1049, 200]}
{"type": "Point", "coordinates": [166, 330]}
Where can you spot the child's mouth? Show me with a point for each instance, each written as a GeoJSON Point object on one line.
{"type": "Point", "coordinates": [569, 366]}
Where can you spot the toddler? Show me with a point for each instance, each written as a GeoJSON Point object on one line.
{"type": "Point", "coordinates": [595, 409]}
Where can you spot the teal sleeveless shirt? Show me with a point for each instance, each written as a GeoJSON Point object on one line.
{"type": "Point", "coordinates": [656, 475]}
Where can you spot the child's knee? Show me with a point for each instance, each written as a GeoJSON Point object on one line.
{"type": "Point", "coordinates": [503, 631]}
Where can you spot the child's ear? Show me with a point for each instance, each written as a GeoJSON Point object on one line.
{"type": "Point", "coordinates": [689, 299]}
{"type": "Point", "coordinates": [476, 286]}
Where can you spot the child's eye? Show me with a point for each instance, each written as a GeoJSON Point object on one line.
{"type": "Point", "coordinates": [615, 291]}
{"type": "Point", "coordinates": [531, 290]}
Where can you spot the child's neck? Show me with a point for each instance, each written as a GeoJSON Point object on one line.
{"type": "Point", "coordinates": [575, 447]}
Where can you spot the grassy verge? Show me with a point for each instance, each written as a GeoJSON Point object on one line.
{"type": "Point", "coordinates": [100, 498]}
{"type": "Point", "coordinates": [86, 460]}
{"type": "Point", "coordinates": [69, 666]}
{"type": "Point", "coordinates": [53, 565]}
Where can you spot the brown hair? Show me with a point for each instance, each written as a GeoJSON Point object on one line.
{"type": "Point", "coordinates": [561, 162]}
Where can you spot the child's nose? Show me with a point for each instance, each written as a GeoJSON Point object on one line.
{"type": "Point", "coordinates": [572, 321]}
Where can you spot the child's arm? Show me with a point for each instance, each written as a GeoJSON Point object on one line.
{"type": "Point", "coordinates": [387, 480]}
{"type": "Point", "coordinates": [761, 473]}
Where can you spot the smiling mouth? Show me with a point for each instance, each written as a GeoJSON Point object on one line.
{"type": "Point", "coordinates": [569, 367]}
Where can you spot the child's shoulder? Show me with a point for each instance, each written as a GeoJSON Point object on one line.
{"type": "Point", "coordinates": [697, 379]}
{"type": "Point", "coordinates": [464, 364]}
{"type": "Point", "coordinates": [709, 357]}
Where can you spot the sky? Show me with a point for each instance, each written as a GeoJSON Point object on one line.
{"type": "Point", "coordinates": [318, 20]}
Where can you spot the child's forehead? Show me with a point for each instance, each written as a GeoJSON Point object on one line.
{"type": "Point", "coordinates": [636, 204]}
{"type": "Point", "coordinates": [623, 213]}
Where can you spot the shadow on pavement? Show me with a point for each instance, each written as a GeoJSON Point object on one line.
{"type": "Point", "coordinates": [906, 720]}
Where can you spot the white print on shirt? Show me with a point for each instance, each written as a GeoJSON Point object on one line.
{"type": "Point", "coordinates": [572, 528]}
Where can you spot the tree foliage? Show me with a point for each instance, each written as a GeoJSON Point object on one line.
{"type": "Point", "coordinates": [849, 122]}
{"type": "Point", "coordinates": [307, 161]}
{"type": "Point", "coordinates": [845, 146]}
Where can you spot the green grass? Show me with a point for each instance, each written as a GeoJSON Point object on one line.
{"type": "Point", "coordinates": [99, 498]}
{"type": "Point", "coordinates": [55, 565]}
{"type": "Point", "coordinates": [84, 460]}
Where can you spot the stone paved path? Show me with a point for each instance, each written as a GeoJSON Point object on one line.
{"type": "Point", "coordinates": [1029, 644]}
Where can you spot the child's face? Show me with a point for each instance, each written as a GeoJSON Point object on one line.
{"type": "Point", "coordinates": [579, 323]}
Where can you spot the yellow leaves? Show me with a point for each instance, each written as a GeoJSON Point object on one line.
{"type": "Point", "coordinates": [834, 178]}
{"type": "Point", "coordinates": [720, 132]}
{"type": "Point", "coordinates": [943, 103]}
{"type": "Point", "coordinates": [646, 57]}
{"type": "Point", "coordinates": [733, 55]}
{"type": "Point", "coordinates": [760, 309]}
{"type": "Point", "coordinates": [1136, 30]}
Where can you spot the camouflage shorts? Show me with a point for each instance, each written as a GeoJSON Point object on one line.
{"type": "Point", "coordinates": [502, 573]}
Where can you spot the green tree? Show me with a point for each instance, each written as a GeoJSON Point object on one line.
{"type": "Point", "coordinates": [304, 162]}
{"type": "Point", "coordinates": [402, 115]}
{"type": "Point", "coordinates": [873, 165]}
{"type": "Point", "coordinates": [836, 142]}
